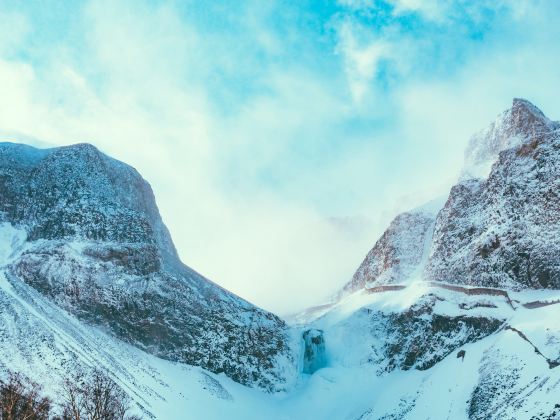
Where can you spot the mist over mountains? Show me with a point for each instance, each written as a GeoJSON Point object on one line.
{"type": "Point", "coordinates": [468, 283]}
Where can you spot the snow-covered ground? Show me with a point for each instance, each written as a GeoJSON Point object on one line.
{"type": "Point", "coordinates": [44, 342]}
{"type": "Point", "coordinates": [521, 379]}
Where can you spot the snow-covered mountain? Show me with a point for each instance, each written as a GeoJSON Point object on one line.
{"type": "Point", "coordinates": [400, 252]}
{"type": "Point", "coordinates": [502, 230]}
{"type": "Point", "coordinates": [500, 224]}
{"type": "Point", "coordinates": [453, 314]}
{"type": "Point", "coordinates": [92, 242]}
{"type": "Point", "coordinates": [475, 276]}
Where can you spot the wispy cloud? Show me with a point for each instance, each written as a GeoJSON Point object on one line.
{"type": "Point", "coordinates": [362, 59]}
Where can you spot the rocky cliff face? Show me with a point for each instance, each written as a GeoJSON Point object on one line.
{"type": "Point", "coordinates": [500, 223]}
{"type": "Point", "coordinates": [399, 254]}
{"type": "Point", "coordinates": [501, 231]}
{"type": "Point", "coordinates": [511, 128]}
{"type": "Point", "coordinates": [496, 240]}
{"type": "Point", "coordinates": [97, 247]}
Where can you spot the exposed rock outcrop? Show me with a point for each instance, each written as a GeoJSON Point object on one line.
{"type": "Point", "coordinates": [500, 224]}
{"type": "Point", "coordinates": [502, 231]}
{"type": "Point", "coordinates": [97, 247]}
{"type": "Point", "coordinates": [398, 255]}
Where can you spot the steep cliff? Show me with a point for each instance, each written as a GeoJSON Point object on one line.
{"type": "Point", "coordinates": [500, 223]}
{"type": "Point", "coordinates": [399, 255]}
{"type": "Point", "coordinates": [467, 292]}
{"type": "Point", "coordinates": [502, 230]}
{"type": "Point", "coordinates": [97, 247]}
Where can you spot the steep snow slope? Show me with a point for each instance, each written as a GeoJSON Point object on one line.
{"type": "Point", "coordinates": [97, 247]}
{"type": "Point", "coordinates": [47, 343]}
{"type": "Point", "coordinates": [393, 355]}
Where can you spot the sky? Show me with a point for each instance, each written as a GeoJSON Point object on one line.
{"type": "Point", "coordinates": [280, 137]}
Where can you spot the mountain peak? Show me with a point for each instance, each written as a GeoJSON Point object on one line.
{"type": "Point", "coordinates": [514, 126]}
{"type": "Point", "coordinates": [525, 118]}
{"type": "Point", "coordinates": [95, 244]}
{"type": "Point", "coordinates": [524, 105]}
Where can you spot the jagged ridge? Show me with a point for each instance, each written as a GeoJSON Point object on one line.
{"type": "Point", "coordinates": [501, 231]}
{"type": "Point", "coordinates": [500, 223]}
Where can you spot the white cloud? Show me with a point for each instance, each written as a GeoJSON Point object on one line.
{"type": "Point", "coordinates": [14, 29]}
{"type": "Point", "coordinates": [148, 114]}
{"type": "Point", "coordinates": [362, 59]}
{"type": "Point", "coordinates": [247, 182]}
{"type": "Point", "coordinates": [431, 9]}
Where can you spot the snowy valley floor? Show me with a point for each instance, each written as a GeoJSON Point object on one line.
{"type": "Point", "coordinates": [349, 388]}
{"type": "Point", "coordinates": [502, 375]}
